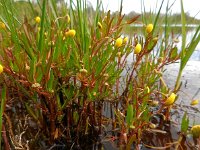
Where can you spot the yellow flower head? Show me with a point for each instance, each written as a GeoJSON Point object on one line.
{"type": "Point", "coordinates": [125, 40]}
{"type": "Point", "coordinates": [2, 25]}
{"type": "Point", "coordinates": [149, 28]}
{"type": "Point", "coordinates": [37, 19]}
{"type": "Point", "coordinates": [70, 33]}
{"type": "Point", "coordinates": [170, 100]}
{"type": "Point", "coordinates": [137, 49]}
{"type": "Point", "coordinates": [68, 19]}
{"type": "Point", "coordinates": [1, 68]}
{"type": "Point", "coordinates": [118, 42]}
{"type": "Point", "coordinates": [194, 102]}
{"type": "Point", "coordinates": [99, 25]}
{"type": "Point", "coordinates": [195, 130]}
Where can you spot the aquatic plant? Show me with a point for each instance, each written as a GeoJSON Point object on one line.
{"type": "Point", "coordinates": [64, 68]}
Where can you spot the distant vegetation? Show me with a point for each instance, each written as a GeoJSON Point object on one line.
{"type": "Point", "coordinates": [175, 18]}
{"type": "Point", "coordinates": [24, 8]}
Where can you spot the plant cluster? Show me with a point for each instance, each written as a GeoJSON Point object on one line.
{"type": "Point", "coordinates": [64, 69]}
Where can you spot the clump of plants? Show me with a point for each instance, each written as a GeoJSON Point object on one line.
{"type": "Point", "coordinates": [66, 79]}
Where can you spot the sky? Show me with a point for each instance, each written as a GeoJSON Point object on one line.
{"type": "Point", "coordinates": [190, 6]}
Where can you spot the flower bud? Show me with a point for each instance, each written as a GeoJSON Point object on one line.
{"type": "Point", "coordinates": [37, 19]}
{"type": "Point", "coordinates": [125, 40]}
{"type": "Point", "coordinates": [94, 94]}
{"type": "Point", "coordinates": [70, 33]}
{"type": "Point", "coordinates": [83, 71]}
{"type": "Point", "coordinates": [99, 25]}
{"type": "Point", "coordinates": [195, 130]}
{"type": "Point", "coordinates": [148, 90]}
{"type": "Point", "coordinates": [170, 100]}
{"type": "Point", "coordinates": [137, 49]}
{"type": "Point", "coordinates": [2, 25]}
{"type": "Point", "coordinates": [152, 125]}
{"type": "Point", "coordinates": [1, 68]}
{"type": "Point", "coordinates": [35, 85]}
{"type": "Point", "coordinates": [118, 42]}
{"type": "Point", "coordinates": [194, 102]}
{"type": "Point", "coordinates": [149, 28]}
{"type": "Point", "coordinates": [106, 84]}
{"type": "Point", "coordinates": [68, 19]}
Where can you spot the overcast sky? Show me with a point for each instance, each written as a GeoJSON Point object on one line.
{"type": "Point", "coordinates": [190, 6]}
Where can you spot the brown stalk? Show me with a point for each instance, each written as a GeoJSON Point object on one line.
{"type": "Point", "coordinates": [5, 138]}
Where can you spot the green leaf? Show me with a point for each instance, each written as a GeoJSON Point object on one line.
{"type": "Point", "coordinates": [31, 112]}
{"type": "Point", "coordinates": [50, 82]}
{"type": "Point", "coordinates": [129, 116]}
{"type": "Point", "coordinates": [184, 123]}
{"type": "Point", "coordinates": [3, 100]}
{"type": "Point", "coordinates": [41, 39]}
{"type": "Point", "coordinates": [183, 21]}
{"type": "Point", "coordinates": [191, 48]}
{"type": "Point", "coordinates": [173, 53]}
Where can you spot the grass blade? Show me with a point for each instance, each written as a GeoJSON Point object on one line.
{"type": "Point", "coordinates": [3, 101]}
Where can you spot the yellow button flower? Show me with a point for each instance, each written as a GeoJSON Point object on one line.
{"type": "Point", "coordinates": [149, 28]}
{"type": "Point", "coordinates": [195, 130]}
{"type": "Point", "coordinates": [2, 25]}
{"type": "Point", "coordinates": [118, 42]}
{"type": "Point", "coordinates": [137, 49]}
{"type": "Point", "coordinates": [170, 100]}
{"type": "Point", "coordinates": [125, 40]}
{"type": "Point", "coordinates": [194, 102]}
{"type": "Point", "coordinates": [1, 68]}
{"type": "Point", "coordinates": [70, 33]}
{"type": "Point", "coordinates": [99, 25]}
{"type": "Point", "coordinates": [37, 19]}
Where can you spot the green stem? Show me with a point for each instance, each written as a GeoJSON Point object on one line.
{"type": "Point", "coordinates": [178, 80]}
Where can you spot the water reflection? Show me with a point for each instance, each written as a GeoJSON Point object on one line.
{"type": "Point", "coordinates": [175, 31]}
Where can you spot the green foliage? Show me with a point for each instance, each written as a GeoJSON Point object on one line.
{"type": "Point", "coordinates": [3, 103]}
{"type": "Point", "coordinates": [184, 123]}
{"type": "Point", "coordinates": [129, 117]}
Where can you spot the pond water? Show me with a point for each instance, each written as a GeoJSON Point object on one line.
{"type": "Point", "coordinates": [190, 88]}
